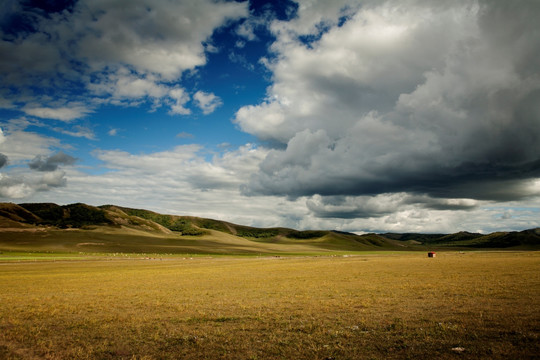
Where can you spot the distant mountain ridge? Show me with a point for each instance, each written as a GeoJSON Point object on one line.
{"type": "Point", "coordinates": [126, 229]}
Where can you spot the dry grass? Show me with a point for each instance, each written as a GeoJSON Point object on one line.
{"type": "Point", "coordinates": [473, 305]}
{"type": "Point", "coordinates": [121, 240]}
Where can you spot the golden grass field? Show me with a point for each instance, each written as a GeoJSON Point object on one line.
{"type": "Point", "coordinates": [374, 306]}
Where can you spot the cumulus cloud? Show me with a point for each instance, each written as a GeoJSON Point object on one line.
{"type": "Point", "coordinates": [227, 171]}
{"type": "Point", "coordinates": [29, 174]}
{"type": "Point", "coordinates": [421, 98]}
{"type": "Point", "coordinates": [51, 163]}
{"type": "Point", "coordinates": [117, 53]}
{"type": "Point", "coordinates": [381, 115]}
{"type": "Point", "coordinates": [125, 86]}
{"type": "Point", "coordinates": [179, 98]}
{"type": "Point", "coordinates": [13, 188]}
{"type": "Point", "coordinates": [207, 102]}
{"type": "Point", "coordinates": [183, 181]}
{"type": "Point", "coordinates": [21, 145]}
{"type": "Point", "coordinates": [21, 186]}
{"type": "Point", "coordinates": [52, 179]}
{"type": "Point", "coordinates": [166, 41]}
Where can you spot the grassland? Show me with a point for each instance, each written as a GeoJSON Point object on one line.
{"type": "Point", "coordinates": [81, 228]}
{"type": "Point", "coordinates": [372, 306]}
{"type": "Point", "coordinates": [104, 239]}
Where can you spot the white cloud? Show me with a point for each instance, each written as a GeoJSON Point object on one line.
{"type": "Point", "coordinates": [247, 31]}
{"type": "Point", "coordinates": [123, 53]}
{"type": "Point", "coordinates": [78, 131]}
{"type": "Point", "coordinates": [178, 181]}
{"type": "Point", "coordinates": [178, 99]}
{"type": "Point", "coordinates": [24, 184]}
{"type": "Point", "coordinates": [181, 181]}
{"type": "Point", "coordinates": [24, 145]}
{"type": "Point", "coordinates": [124, 85]}
{"type": "Point", "coordinates": [184, 163]}
{"type": "Point", "coordinates": [67, 114]}
{"type": "Point", "coordinates": [153, 162]}
{"type": "Point", "coordinates": [127, 88]}
{"type": "Point", "coordinates": [393, 116]}
{"type": "Point", "coordinates": [313, 14]}
{"type": "Point", "coordinates": [184, 135]}
{"type": "Point", "coordinates": [166, 40]}
{"type": "Point", "coordinates": [33, 166]}
{"type": "Point", "coordinates": [207, 102]}
{"type": "Point", "coordinates": [13, 188]}
{"type": "Point", "coordinates": [53, 179]}
{"type": "Point", "coordinates": [421, 98]}
{"type": "Point", "coordinates": [360, 67]}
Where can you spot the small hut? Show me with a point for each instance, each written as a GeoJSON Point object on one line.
{"type": "Point", "coordinates": [432, 254]}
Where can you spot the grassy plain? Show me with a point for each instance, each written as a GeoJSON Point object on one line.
{"type": "Point", "coordinates": [111, 240]}
{"type": "Point", "coordinates": [373, 306]}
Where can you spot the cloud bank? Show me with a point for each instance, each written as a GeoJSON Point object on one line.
{"type": "Point", "coordinates": [439, 101]}
{"type": "Point", "coordinates": [380, 115]}
{"type": "Point", "coordinates": [104, 51]}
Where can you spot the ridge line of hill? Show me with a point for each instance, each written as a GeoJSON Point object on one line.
{"type": "Point", "coordinates": [91, 221]}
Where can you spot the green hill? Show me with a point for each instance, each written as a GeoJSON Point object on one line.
{"type": "Point", "coordinates": [12, 215]}
{"type": "Point", "coordinates": [109, 228]}
{"type": "Point", "coordinates": [527, 239]}
{"type": "Point", "coordinates": [73, 215]}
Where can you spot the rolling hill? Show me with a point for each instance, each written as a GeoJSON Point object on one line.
{"type": "Point", "coordinates": [109, 228]}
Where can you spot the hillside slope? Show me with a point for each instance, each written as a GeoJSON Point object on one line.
{"type": "Point", "coordinates": [109, 228]}
{"type": "Point", "coordinates": [522, 240]}
{"type": "Point", "coordinates": [13, 215]}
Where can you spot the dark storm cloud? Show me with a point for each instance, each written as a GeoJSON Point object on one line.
{"type": "Point", "coordinates": [450, 119]}
{"type": "Point", "coordinates": [363, 207]}
{"type": "Point", "coordinates": [482, 181]}
{"type": "Point", "coordinates": [350, 207]}
{"type": "Point", "coordinates": [21, 17]}
{"type": "Point", "coordinates": [3, 160]}
{"type": "Point", "coordinates": [428, 202]}
{"type": "Point", "coordinates": [42, 163]}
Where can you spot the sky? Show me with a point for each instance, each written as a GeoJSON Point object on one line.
{"type": "Point", "coordinates": [361, 116]}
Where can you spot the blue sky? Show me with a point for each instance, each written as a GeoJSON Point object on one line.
{"type": "Point", "coordinates": [391, 115]}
